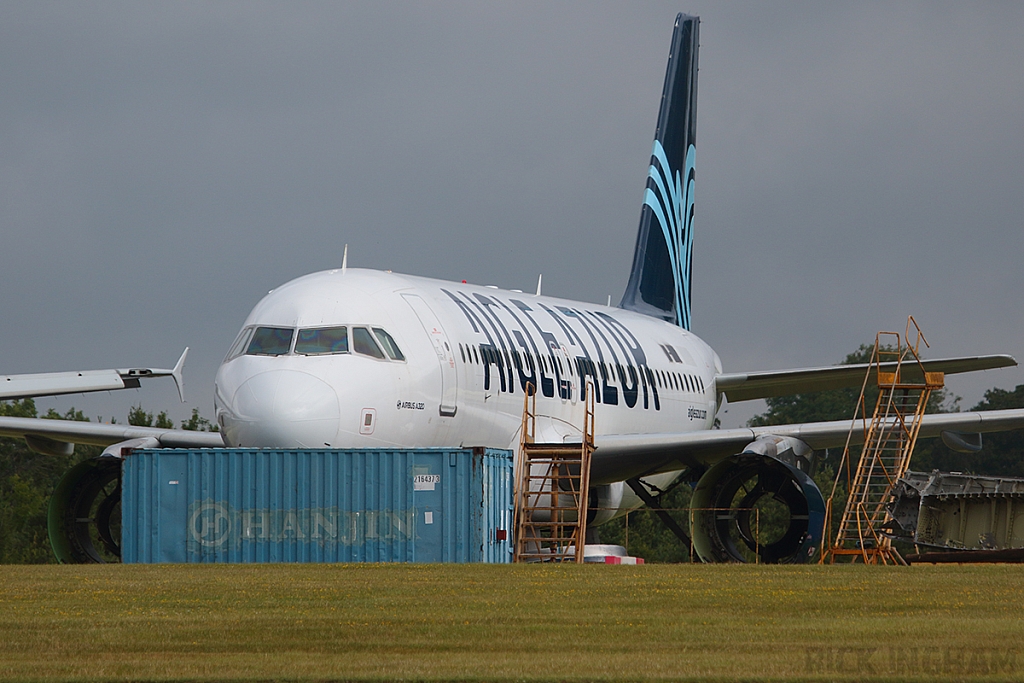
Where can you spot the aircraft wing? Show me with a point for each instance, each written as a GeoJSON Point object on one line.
{"type": "Point", "coordinates": [622, 456]}
{"type": "Point", "coordinates": [14, 387]}
{"type": "Point", "coordinates": [753, 385]}
{"type": "Point", "coordinates": [53, 434]}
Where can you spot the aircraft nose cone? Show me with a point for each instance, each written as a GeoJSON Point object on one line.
{"type": "Point", "coordinates": [283, 409]}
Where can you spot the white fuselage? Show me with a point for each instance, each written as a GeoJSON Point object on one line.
{"type": "Point", "coordinates": [466, 354]}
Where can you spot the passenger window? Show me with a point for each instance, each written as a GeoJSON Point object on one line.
{"type": "Point", "coordinates": [362, 342]}
{"type": "Point", "coordinates": [389, 344]}
{"type": "Point", "coordinates": [238, 348]}
{"type": "Point", "coordinates": [270, 341]}
{"type": "Point", "coordinates": [322, 341]}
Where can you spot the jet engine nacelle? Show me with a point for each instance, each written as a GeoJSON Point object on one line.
{"type": "Point", "coordinates": [84, 518]}
{"type": "Point", "coordinates": [759, 505]}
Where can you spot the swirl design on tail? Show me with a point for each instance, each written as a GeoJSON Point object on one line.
{"type": "Point", "coordinates": [670, 197]}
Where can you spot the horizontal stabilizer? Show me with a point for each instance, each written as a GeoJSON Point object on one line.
{"type": "Point", "coordinates": [753, 385]}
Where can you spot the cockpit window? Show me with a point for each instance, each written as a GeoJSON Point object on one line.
{"type": "Point", "coordinates": [388, 342]}
{"type": "Point", "coordinates": [322, 340]}
{"type": "Point", "coordinates": [238, 348]}
{"type": "Point", "coordinates": [362, 342]}
{"type": "Point", "coordinates": [270, 341]}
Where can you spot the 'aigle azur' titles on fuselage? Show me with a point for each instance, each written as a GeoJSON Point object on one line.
{"type": "Point", "coordinates": [417, 362]}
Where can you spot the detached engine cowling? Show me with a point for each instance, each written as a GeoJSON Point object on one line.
{"type": "Point", "coordinates": [84, 519]}
{"type": "Point", "coordinates": [85, 513]}
{"type": "Point", "coordinates": [759, 505]}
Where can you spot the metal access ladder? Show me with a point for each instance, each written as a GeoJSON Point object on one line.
{"type": "Point", "coordinates": [889, 439]}
{"type": "Point", "coordinates": [552, 485]}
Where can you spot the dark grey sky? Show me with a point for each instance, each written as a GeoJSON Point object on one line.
{"type": "Point", "coordinates": [163, 165]}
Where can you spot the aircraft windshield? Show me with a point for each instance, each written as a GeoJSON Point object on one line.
{"type": "Point", "coordinates": [362, 342]}
{"type": "Point", "coordinates": [388, 342]}
{"type": "Point", "coordinates": [270, 341]}
{"type": "Point", "coordinates": [324, 340]}
{"type": "Point", "coordinates": [316, 341]}
{"type": "Point", "coordinates": [238, 348]}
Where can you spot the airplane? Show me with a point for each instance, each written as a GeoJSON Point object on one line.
{"type": "Point", "coordinates": [353, 358]}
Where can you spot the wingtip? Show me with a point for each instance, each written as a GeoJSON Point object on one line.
{"type": "Point", "coordinates": [177, 375]}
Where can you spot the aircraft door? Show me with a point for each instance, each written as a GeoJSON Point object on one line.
{"type": "Point", "coordinates": [444, 351]}
{"type": "Point", "coordinates": [567, 390]}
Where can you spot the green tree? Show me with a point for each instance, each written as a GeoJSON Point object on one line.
{"type": "Point", "coordinates": [140, 418]}
{"type": "Point", "coordinates": [23, 537]}
{"type": "Point", "coordinates": [1002, 454]}
{"type": "Point", "coordinates": [28, 479]}
{"type": "Point", "coordinates": [71, 414]}
{"type": "Point", "coordinates": [198, 423]}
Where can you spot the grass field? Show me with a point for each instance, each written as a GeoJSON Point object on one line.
{"type": "Point", "coordinates": [478, 622]}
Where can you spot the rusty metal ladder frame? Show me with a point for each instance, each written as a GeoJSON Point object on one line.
{"type": "Point", "coordinates": [556, 461]}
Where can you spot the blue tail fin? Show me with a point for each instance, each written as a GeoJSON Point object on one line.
{"type": "Point", "coordinates": [659, 284]}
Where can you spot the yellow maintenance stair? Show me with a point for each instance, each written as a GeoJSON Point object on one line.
{"type": "Point", "coordinates": [889, 436]}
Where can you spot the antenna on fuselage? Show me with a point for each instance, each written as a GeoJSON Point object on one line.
{"type": "Point", "coordinates": [609, 304]}
{"type": "Point", "coordinates": [540, 279]}
{"type": "Point", "coordinates": [344, 261]}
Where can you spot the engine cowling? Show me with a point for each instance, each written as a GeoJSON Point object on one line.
{"type": "Point", "coordinates": [84, 520]}
{"type": "Point", "coordinates": [759, 505]}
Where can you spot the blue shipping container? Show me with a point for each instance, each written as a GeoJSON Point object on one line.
{"type": "Point", "coordinates": [359, 505]}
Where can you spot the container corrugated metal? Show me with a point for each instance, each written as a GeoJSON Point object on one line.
{"type": "Point", "coordinates": [358, 505]}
